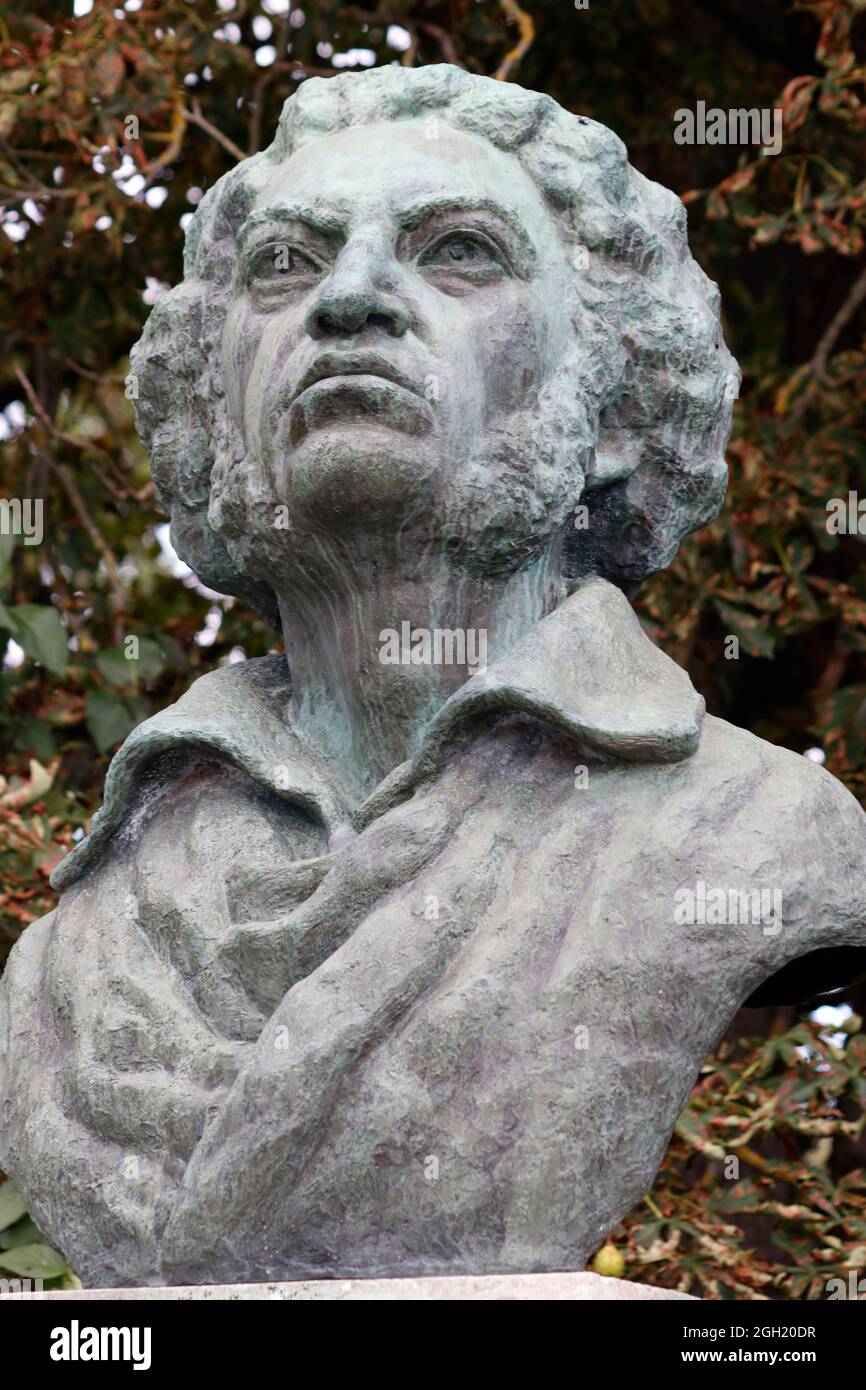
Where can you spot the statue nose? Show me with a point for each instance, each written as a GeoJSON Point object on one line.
{"type": "Point", "coordinates": [351, 303]}
{"type": "Point", "coordinates": [330, 323]}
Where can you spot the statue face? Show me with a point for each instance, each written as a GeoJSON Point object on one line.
{"type": "Point", "coordinates": [400, 302]}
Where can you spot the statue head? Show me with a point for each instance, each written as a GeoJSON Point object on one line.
{"type": "Point", "coordinates": [440, 313]}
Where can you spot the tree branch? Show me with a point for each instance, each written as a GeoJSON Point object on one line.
{"type": "Point", "coordinates": [526, 25]}
{"type": "Point", "coordinates": [78, 504]}
{"type": "Point", "coordinates": [814, 369]}
{"type": "Point", "coordinates": [844, 313]}
{"type": "Point", "coordinates": [198, 119]}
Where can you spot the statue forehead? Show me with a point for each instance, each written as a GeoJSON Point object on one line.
{"type": "Point", "coordinates": [393, 166]}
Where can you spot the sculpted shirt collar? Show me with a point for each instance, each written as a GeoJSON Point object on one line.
{"type": "Point", "coordinates": [588, 669]}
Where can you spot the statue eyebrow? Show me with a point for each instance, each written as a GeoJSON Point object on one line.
{"type": "Point", "coordinates": [321, 220]}
{"type": "Point", "coordinates": [334, 223]}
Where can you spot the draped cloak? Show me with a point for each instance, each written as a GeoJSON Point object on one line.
{"type": "Point", "coordinates": [270, 1034]}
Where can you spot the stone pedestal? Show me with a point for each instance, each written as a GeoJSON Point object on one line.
{"type": "Point", "coordinates": [485, 1288]}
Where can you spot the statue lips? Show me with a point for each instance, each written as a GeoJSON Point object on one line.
{"type": "Point", "coordinates": [363, 387]}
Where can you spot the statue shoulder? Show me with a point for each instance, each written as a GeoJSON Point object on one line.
{"type": "Point", "coordinates": [234, 715]}
{"type": "Point", "coordinates": [806, 819]}
{"type": "Point", "coordinates": [729, 750]}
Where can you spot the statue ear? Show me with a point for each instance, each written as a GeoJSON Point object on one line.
{"type": "Point", "coordinates": [617, 455]}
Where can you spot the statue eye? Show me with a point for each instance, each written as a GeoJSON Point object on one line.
{"type": "Point", "coordinates": [460, 248]}
{"type": "Point", "coordinates": [465, 252]}
{"type": "Point", "coordinates": [279, 264]}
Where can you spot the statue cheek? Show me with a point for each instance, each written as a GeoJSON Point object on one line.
{"type": "Point", "coordinates": [256, 348]}
{"type": "Point", "coordinates": [517, 359]}
{"type": "Point", "coordinates": [241, 339]}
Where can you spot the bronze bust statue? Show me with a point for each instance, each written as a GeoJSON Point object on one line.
{"type": "Point", "coordinates": [399, 953]}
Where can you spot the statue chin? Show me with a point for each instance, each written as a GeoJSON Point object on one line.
{"type": "Point", "coordinates": [357, 478]}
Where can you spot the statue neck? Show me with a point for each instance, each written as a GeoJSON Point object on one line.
{"type": "Point", "coordinates": [373, 660]}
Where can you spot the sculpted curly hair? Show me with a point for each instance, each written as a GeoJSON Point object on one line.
{"type": "Point", "coordinates": [652, 366]}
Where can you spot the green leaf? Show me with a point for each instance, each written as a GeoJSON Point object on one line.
{"type": "Point", "coordinates": [7, 545]}
{"type": "Point", "coordinates": [35, 737]}
{"type": "Point", "coordinates": [151, 659]}
{"type": "Point", "coordinates": [756, 640]}
{"type": "Point", "coordinates": [108, 719]}
{"type": "Point", "coordinates": [114, 667]}
{"type": "Point", "coordinates": [38, 629]}
{"type": "Point", "coordinates": [12, 1205]}
{"type": "Point", "coordinates": [24, 1232]}
{"type": "Point", "coordinates": [121, 669]}
{"type": "Point", "coordinates": [33, 1262]}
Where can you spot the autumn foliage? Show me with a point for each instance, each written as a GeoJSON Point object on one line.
{"type": "Point", "coordinates": [112, 124]}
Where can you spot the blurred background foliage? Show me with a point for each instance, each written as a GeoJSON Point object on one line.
{"type": "Point", "coordinates": [113, 120]}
